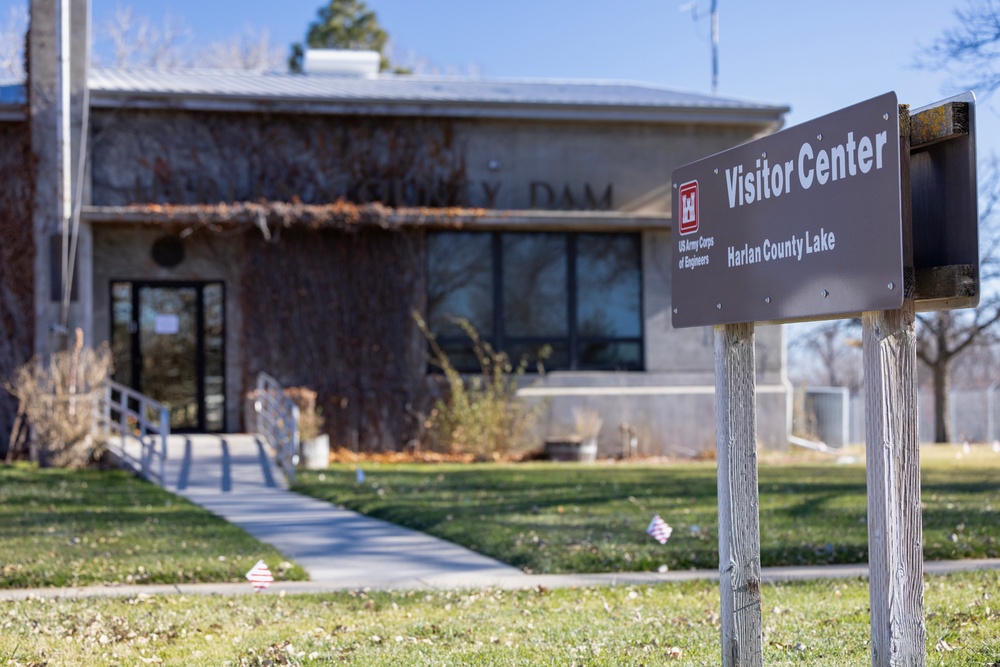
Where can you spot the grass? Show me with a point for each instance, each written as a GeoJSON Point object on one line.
{"type": "Point", "coordinates": [552, 518]}
{"type": "Point", "coordinates": [62, 528]}
{"type": "Point", "coordinates": [805, 623]}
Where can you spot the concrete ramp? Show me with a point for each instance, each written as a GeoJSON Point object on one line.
{"type": "Point", "coordinates": [232, 476]}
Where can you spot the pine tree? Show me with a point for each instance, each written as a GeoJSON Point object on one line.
{"type": "Point", "coordinates": [342, 24]}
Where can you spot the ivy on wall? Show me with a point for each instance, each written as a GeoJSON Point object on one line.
{"type": "Point", "coordinates": [194, 158]}
{"type": "Point", "coordinates": [17, 255]}
{"type": "Point", "coordinates": [328, 288]}
{"type": "Point", "coordinates": [332, 311]}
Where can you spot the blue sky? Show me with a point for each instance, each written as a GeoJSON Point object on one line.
{"type": "Point", "coordinates": [813, 56]}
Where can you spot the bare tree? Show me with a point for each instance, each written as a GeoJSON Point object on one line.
{"type": "Point", "coordinates": [137, 42]}
{"type": "Point", "coordinates": [411, 62]}
{"type": "Point", "coordinates": [834, 349]}
{"type": "Point", "coordinates": [12, 44]}
{"type": "Point", "coordinates": [943, 336]}
{"type": "Point", "coordinates": [970, 51]}
{"type": "Point", "coordinates": [252, 51]}
{"type": "Point", "coordinates": [978, 367]}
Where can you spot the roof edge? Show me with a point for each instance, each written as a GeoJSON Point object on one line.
{"type": "Point", "coordinates": [14, 113]}
{"type": "Point", "coordinates": [769, 117]}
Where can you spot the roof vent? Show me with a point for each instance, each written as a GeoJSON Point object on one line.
{"type": "Point", "coordinates": [342, 62]}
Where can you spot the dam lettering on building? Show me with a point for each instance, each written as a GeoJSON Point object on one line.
{"type": "Point", "coordinates": [439, 193]}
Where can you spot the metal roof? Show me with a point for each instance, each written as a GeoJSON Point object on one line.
{"type": "Point", "coordinates": [12, 101]}
{"type": "Point", "coordinates": [418, 95]}
{"type": "Point", "coordinates": [406, 95]}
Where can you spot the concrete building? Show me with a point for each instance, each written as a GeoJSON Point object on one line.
{"type": "Point", "coordinates": [295, 223]}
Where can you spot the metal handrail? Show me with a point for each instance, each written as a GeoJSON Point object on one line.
{"type": "Point", "coordinates": [137, 418]}
{"type": "Point", "coordinates": [277, 422]}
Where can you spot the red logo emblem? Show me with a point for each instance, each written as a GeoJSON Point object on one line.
{"type": "Point", "coordinates": [689, 208]}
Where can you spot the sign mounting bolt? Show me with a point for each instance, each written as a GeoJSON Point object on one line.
{"type": "Point", "coordinates": [825, 293]}
{"type": "Point", "coordinates": [716, 170]}
{"type": "Point", "coordinates": [819, 137]}
{"type": "Point", "coordinates": [892, 285]}
{"type": "Point", "coordinates": [885, 116]}
{"type": "Point", "coordinates": [767, 299]}
{"type": "Point", "coordinates": [675, 311]}
{"type": "Point", "coordinates": [718, 306]}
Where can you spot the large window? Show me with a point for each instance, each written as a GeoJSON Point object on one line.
{"type": "Point", "coordinates": [580, 295]}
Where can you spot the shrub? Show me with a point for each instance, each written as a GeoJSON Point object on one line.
{"type": "Point", "coordinates": [587, 423]}
{"type": "Point", "coordinates": [59, 397]}
{"type": "Point", "coordinates": [481, 414]}
{"type": "Point", "coordinates": [310, 419]}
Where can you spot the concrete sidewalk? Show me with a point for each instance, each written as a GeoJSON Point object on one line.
{"type": "Point", "coordinates": [232, 476]}
{"type": "Point", "coordinates": [451, 581]}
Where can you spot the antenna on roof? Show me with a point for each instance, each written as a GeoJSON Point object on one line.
{"type": "Point", "coordinates": [715, 47]}
{"type": "Point", "coordinates": [693, 8]}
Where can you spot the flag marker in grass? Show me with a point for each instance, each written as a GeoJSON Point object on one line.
{"type": "Point", "coordinates": [659, 529]}
{"type": "Point", "coordinates": [260, 576]}
{"type": "Point", "coordinates": [359, 474]}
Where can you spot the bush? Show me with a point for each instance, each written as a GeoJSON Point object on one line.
{"type": "Point", "coordinates": [481, 414]}
{"type": "Point", "coordinates": [59, 398]}
{"type": "Point", "coordinates": [310, 419]}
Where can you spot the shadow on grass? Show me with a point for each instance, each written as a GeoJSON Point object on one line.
{"type": "Point", "coordinates": [570, 518]}
{"type": "Point", "coordinates": [62, 528]}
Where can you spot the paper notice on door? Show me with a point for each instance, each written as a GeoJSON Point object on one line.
{"type": "Point", "coordinates": [166, 323]}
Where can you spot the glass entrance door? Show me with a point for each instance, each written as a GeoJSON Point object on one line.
{"type": "Point", "coordinates": [168, 344]}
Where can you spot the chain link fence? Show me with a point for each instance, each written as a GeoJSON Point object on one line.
{"type": "Point", "coordinates": [837, 417]}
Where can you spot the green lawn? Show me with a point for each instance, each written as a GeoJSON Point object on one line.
{"type": "Point", "coordinates": [549, 518]}
{"type": "Point", "coordinates": [821, 623]}
{"type": "Point", "coordinates": [62, 528]}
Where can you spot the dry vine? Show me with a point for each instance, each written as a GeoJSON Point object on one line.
{"type": "Point", "coordinates": [17, 253]}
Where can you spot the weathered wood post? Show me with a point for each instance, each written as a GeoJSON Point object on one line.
{"type": "Point", "coordinates": [739, 525]}
{"type": "Point", "coordinates": [818, 222]}
{"type": "Point", "coordinates": [895, 556]}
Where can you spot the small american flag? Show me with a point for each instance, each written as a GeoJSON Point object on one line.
{"type": "Point", "coordinates": [259, 576]}
{"type": "Point", "coordinates": [659, 529]}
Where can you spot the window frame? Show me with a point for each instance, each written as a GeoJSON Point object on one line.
{"type": "Point", "coordinates": [500, 340]}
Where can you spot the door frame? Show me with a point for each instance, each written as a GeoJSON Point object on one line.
{"type": "Point", "coordinates": [135, 372]}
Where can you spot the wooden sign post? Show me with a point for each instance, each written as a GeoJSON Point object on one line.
{"type": "Point", "coordinates": [892, 462]}
{"type": "Point", "coordinates": [783, 229]}
{"type": "Point", "coordinates": [739, 530]}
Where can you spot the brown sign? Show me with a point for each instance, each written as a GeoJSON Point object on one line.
{"type": "Point", "coordinates": [802, 224]}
